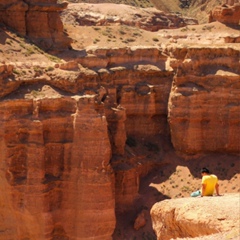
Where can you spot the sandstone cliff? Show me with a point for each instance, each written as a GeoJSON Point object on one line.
{"type": "Point", "coordinates": [81, 129]}
{"type": "Point", "coordinates": [201, 80]}
{"type": "Point", "coordinates": [74, 146]}
{"type": "Point", "coordinates": [190, 218]}
{"type": "Point", "coordinates": [55, 157]}
{"type": "Point", "coordinates": [227, 13]}
{"type": "Point", "coordinates": [38, 20]}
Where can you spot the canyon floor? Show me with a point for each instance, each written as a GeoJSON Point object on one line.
{"type": "Point", "coordinates": [175, 177]}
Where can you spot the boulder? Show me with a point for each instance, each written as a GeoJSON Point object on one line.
{"type": "Point", "coordinates": [187, 218]}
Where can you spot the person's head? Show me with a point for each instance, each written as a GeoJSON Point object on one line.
{"type": "Point", "coordinates": [205, 171]}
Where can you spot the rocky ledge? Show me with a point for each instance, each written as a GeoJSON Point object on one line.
{"type": "Point", "coordinates": [198, 218]}
{"type": "Point", "coordinates": [149, 19]}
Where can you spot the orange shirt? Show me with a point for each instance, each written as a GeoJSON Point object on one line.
{"type": "Point", "coordinates": [210, 181]}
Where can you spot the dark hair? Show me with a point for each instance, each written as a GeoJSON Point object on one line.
{"type": "Point", "coordinates": [205, 170]}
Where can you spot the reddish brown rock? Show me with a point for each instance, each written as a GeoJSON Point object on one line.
{"type": "Point", "coordinates": [38, 20]}
{"type": "Point", "coordinates": [13, 15]}
{"type": "Point", "coordinates": [149, 19]}
{"type": "Point", "coordinates": [116, 118]}
{"type": "Point", "coordinates": [77, 139]}
{"type": "Point", "coordinates": [227, 14]}
{"type": "Point", "coordinates": [188, 218]}
{"type": "Point", "coordinates": [230, 2]}
{"type": "Point", "coordinates": [140, 221]}
{"type": "Point", "coordinates": [206, 88]}
{"type": "Point", "coordinates": [52, 171]}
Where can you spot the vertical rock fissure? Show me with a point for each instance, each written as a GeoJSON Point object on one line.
{"type": "Point", "coordinates": [25, 17]}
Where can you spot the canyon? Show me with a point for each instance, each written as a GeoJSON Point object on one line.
{"type": "Point", "coordinates": [90, 129]}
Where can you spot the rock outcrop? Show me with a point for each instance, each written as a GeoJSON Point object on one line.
{"type": "Point", "coordinates": [200, 81]}
{"type": "Point", "coordinates": [149, 19]}
{"type": "Point", "coordinates": [55, 171]}
{"type": "Point", "coordinates": [78, 135]}
{"type": "Point", "coordinates": [228, 13]}
{"type": "Point", "coordinates": [187, 218]}
{"type": "Point", "coordinates": [57, 147]}
{"type": "Point", "coordinates": [73, 150]}
{"type": "Point", "coordinates": [38, 20]}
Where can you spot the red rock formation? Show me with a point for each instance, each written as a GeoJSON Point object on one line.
{"type": "Point", "coordinates": [230, 2]}
{"type": "Point", "coordinates": [186, 218]}
{"type": "Point", "coordinates": [38, 20]}
{"type": "Point", "coordinates": [72, 176]}
{"type": "Point", "coordinates": [149, 19]}
{"type": "Point", "coordinates": [140, 221]}
{"type": "Point", "coordinates": [227, 13]}
{"type": "Point", "coordinates": [70, 158]}
{"type": "Point", "coordinates": [56, 162]}
{"type": "Point", "coordinates": [203, 108]}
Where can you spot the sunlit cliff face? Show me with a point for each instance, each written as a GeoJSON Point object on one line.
{"type": "Point", "coordinates": [81, 129]}
{"type": "Point", "coordinates": [38, 20]}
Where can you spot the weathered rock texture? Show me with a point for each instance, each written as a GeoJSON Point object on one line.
{"type": "Point", "coordinates": [186, 218]}
{"type": "Point", "coordinates": [57, 150]}
{"type": "Point", "coordinates": [207, 89]}
{"type": "Point", "coordinates": [149, 19]}
{"type": "Point", "coordinates": [38, 20]}
{"type": "Point", "coordinates": [228, 13]}
{"type": "Point", "coordinates": [230, 2]}
{"type": "Point", "coordinates": [68, 159]}
{"type": "Point", "coordinates": [56, 177]}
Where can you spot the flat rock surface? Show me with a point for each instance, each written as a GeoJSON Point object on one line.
{"type": "Point", "coordinates": [197, 217]}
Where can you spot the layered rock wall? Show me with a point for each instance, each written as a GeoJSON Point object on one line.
{"type": "Point", "coordinates": [70, 158]}
{"type": "Point", "coordinates": [38, 20]}
{"type": "Point", "coordinates": [55, 170]}
{"type": "Point", "coordinates": [206, 87]}
{"type": "Point", "coordinates": [228, 13]}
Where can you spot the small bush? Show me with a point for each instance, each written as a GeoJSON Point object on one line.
{"type": "Point", "coordinates": [48, 69]}
{"type": "Point", "coordinates": [9, 42]}
{"type": "Point", "coordinates": [128, 40]}
{"type": "Point", "coordinates": [15, 71]}
{"type": "Point", "coordinates": [122, 32]}
{"type": "Point", "coordinates": [97, 28]}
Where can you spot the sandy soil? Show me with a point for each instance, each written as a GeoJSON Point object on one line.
{"type": "Point", "coordinates": [121, 35]}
